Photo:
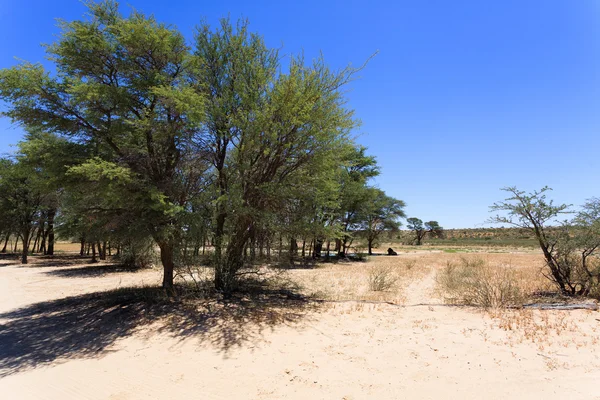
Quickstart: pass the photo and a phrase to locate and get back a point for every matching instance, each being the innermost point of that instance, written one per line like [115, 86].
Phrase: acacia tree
[587, 244]
[122, 85]
[22, 197]
[165, 124]
[416, 225]
[305, 202]
[50, 156]
[264, 126]
[421, 230]
[382, 214]
[434, 229]
[355, 194]
[570, 249]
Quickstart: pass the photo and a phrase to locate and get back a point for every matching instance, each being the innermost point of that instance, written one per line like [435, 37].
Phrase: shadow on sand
[7, 259]
[58, 260]
[86, 326]
[91, 271]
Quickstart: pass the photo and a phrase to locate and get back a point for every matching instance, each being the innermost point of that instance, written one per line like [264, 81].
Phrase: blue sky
[464, 97]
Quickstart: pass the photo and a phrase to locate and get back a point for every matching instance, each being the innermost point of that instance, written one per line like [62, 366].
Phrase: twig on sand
[562, 306]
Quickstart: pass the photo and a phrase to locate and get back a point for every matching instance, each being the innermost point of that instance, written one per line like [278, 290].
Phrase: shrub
[362, 256]
[382, 278]
[474, 282]
[571, 251]
[410, 264]
[138, 254]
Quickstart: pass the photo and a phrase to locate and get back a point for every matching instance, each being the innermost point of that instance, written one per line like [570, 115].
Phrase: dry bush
[477, 283]
[410, 264]
[382, 277]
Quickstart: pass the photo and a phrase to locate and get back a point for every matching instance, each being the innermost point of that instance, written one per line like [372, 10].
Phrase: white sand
[338, 351]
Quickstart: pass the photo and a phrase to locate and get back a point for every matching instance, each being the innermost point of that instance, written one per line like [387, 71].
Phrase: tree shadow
[62, 260]
[299, 263]
[91, 271]
[9, 259]
[87, 326]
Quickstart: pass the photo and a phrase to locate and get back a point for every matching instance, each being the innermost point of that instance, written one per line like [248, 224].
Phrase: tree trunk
[268, 247]
[103, 255]
[232, 261]
[342, 249]
[318, 248]
[280, 246]
[82, 248]
[94, 252]
[261, 245]
[338, 245]
[370, 242]
[50, 248]
[293, 249]
[5, 243]
[303, 248]
[218, 240]
[43, 242]
[167, 259]
[37, 238]
[252, 244]
[419, 237]
[25, 238]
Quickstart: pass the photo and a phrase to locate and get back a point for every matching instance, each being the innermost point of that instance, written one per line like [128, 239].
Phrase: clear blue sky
[463, 98]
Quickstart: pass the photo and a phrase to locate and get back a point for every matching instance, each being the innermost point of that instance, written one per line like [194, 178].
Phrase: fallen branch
[562, 306]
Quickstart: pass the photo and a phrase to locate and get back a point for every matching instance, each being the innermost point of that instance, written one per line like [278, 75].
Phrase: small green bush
[138, 254]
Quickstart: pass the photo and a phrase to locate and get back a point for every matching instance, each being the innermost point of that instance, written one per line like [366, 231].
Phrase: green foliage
[22, 199]
[124, 88]
[420, 230]
[355, 194]
[137, 253]
[571, 250]
[380, 213]
[140, 135]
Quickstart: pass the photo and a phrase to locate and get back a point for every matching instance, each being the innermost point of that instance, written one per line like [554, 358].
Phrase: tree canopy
[139, 135]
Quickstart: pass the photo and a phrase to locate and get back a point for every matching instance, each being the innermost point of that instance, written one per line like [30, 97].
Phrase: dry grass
[67, 247]
[410, 277]
[59, 247]
[558, 336]
[475, 282]
[380, 279]
[490, 282]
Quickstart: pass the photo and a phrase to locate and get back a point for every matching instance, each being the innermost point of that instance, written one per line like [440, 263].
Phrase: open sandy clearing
[84, 348]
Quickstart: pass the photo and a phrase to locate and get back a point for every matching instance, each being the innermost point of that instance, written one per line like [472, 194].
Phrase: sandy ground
[59, 341]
